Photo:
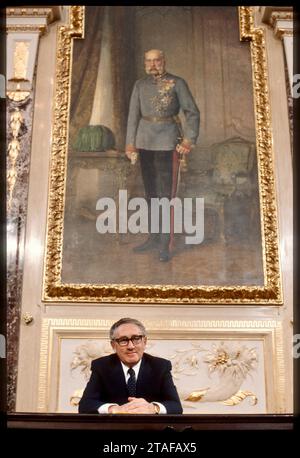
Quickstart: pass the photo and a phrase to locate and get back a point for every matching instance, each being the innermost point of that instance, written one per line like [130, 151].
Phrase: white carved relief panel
[219, 367]
[211, 376]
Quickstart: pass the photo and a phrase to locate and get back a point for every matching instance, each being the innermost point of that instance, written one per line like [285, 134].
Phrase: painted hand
[131, 152]
[183, 148]
[128, 154]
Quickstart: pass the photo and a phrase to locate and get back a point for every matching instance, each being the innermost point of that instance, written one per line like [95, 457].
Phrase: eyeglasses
[124, 341]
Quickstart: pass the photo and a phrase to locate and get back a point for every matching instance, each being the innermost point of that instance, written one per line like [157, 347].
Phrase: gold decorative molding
[55, 291]
[15, 123]
[232, 363]
[21, 55]
[278, 358]
[280, 16]
[246, 23]
[27, 318]
[240, 396]
[75, 397]
[234, 400]
[51, 13]
[41, 29]
[280, 19]
[264, 149]
[18, 95]
[267, 331]
[45, 358]
[24, 25]
[18, 83]
[31, 19]
[280, 33]
[77, 21]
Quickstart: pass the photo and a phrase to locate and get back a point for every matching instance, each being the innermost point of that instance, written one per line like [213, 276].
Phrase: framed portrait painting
[223, 248]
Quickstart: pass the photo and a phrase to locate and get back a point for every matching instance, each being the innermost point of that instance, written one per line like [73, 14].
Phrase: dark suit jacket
[107, 384]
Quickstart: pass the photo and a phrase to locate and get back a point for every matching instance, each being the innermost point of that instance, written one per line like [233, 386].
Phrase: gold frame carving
[268, 331]
[55, 291]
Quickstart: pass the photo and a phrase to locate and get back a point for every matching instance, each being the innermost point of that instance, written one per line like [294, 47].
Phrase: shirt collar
[136, 369]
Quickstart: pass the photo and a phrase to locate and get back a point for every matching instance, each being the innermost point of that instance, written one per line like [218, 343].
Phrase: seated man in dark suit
[130, 381]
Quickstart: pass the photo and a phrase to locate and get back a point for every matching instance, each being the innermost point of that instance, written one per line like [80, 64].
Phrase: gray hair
[161, 53]
[126, 321]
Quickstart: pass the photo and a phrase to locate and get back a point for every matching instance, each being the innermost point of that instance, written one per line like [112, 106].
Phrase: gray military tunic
[153, 106]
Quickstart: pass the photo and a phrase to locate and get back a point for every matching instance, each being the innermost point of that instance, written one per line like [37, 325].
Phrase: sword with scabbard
[182, 167]
[179, 165]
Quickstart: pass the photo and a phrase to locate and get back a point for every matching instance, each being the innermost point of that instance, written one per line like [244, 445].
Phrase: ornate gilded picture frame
[231, 166]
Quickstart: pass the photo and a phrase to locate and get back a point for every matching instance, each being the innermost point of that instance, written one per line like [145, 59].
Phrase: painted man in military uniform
[155, 133]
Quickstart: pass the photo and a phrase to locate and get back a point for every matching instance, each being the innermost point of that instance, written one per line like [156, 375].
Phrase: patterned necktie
[131, 384]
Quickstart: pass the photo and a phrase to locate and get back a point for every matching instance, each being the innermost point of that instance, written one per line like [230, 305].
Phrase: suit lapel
[144, 378]
[118, 383]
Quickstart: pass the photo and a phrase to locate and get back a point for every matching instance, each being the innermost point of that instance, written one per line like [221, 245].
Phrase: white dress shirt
[104, 408]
